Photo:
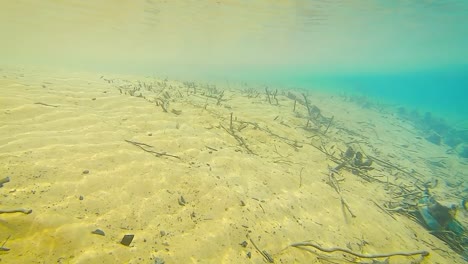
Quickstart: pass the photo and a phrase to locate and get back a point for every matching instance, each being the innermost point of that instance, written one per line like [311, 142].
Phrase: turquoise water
[441, 91]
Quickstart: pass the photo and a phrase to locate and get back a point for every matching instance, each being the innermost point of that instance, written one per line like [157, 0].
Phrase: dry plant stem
[263, 253]
[331, 120]
[407, 194]
[161, 103]
[300, 177]
[220, 98]
[3, 248]
[20, 210]
[157, 154]
[384, 210]
[239, 139]
[39, 103]
[389, 165]
[274, 96]
[268, 95]
[423, 253]
[334, 183]
[345, 204]
[307, 105]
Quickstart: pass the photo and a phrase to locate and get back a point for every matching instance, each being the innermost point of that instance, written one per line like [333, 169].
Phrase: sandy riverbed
[66, 144]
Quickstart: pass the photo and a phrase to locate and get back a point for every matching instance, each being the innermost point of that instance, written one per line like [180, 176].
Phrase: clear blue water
[443, 91]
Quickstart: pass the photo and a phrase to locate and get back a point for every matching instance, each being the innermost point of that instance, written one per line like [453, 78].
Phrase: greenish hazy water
[401, 52]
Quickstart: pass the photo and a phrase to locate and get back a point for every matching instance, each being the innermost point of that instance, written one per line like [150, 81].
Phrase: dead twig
[308, 107]
[268, 94]
[163, 104]
[20, 210]
[331, 120]
[239, 139]
[423, 253]
[39, 103]
[143, 146]
[3, 248]
[265, 254]
[334, 183]
[11, 211]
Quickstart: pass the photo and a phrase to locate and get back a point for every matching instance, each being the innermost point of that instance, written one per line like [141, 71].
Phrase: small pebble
[127, 240]
[94, 99]
[243, 244]
[81, 198]
[150, 134]
[162, 233]
[85, 171]
[181, 201]
[249, 255]
[98, 232]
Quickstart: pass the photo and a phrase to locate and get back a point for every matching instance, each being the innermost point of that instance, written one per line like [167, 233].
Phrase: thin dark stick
[268, 95]
[138, 143]
[220, 98]
[157, 154]
[239, 139]
[334, 183]
[3, 248]
[262, 208]
[300, 177]
[274, 96]
[307, 105]
[6, 240]
[230, 123]
[345, 204]
[385, 255]
[210, 148]
[331, 120]
[294, 109]
[263, 253]
[387, 164]
[384, 210]
[39, 103]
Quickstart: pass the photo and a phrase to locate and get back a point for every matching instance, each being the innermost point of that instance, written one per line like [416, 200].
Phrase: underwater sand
[65, 135]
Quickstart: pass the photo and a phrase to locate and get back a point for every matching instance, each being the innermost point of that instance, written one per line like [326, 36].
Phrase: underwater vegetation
[438, 131]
